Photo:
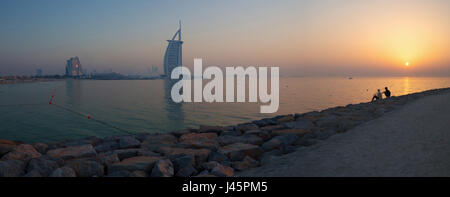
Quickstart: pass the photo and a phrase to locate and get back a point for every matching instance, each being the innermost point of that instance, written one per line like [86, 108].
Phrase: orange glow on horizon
[388, 43]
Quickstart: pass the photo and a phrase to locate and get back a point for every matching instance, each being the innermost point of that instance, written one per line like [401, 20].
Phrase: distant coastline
[26, 79]
[30, 79]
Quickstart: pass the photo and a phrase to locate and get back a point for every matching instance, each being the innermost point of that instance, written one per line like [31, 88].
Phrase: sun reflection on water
[406, 88]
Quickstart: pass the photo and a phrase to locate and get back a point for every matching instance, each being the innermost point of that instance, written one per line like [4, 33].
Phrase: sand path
[411, 141]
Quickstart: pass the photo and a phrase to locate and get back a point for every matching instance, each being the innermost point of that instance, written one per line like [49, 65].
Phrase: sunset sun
[406, 64]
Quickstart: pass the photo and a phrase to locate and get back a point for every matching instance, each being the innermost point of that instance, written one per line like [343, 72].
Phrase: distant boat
[350, 78]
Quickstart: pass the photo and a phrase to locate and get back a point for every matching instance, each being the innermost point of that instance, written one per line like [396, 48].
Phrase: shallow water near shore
[145, 106]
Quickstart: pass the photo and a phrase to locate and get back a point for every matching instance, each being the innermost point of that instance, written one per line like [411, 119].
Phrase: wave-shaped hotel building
[173, 55]
[73, 67]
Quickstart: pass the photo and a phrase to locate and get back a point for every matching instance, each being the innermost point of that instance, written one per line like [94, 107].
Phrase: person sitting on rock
[387, 92]
[377, 96]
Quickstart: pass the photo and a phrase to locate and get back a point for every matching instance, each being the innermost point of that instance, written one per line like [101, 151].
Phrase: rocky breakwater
[209, 151]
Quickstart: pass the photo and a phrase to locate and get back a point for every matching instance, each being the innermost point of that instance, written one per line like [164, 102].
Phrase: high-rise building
[73, 67]
[38, 72]
[173, 55]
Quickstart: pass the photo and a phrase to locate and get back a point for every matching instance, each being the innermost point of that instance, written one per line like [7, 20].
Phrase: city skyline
[303, 38]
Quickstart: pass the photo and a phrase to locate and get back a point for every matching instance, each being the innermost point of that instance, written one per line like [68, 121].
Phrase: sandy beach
[410, 141]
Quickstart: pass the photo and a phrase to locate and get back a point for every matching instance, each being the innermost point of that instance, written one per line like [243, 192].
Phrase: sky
[302, 37]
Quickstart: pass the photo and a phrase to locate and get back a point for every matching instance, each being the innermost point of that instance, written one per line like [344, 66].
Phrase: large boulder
[264, 135]
[69, 143]
[252, 132]
[184, 166]
[246, 127]
[107, 158]
[92, 140]
[238, 151]
[279, 141]
[6, 146]
[41, 147]
[272, 127]
[128, 142]
[265, 122]
[210, 129]
[121, 173]
[246, 139]
[287, 139]
[298, 132]
[284, 118]
[126, 153]
[63, 172]
[222, 171]
[43, 166]
[199, 140]
[300, 124]
[209, 165]
[73, 152]
[106, 146]
[253, 139]
[231, 132]
[271, 144]
[160, 139]
[219, 157]
[179, 133]
[138, 173]
[187, 171]
[144, 163]
[8, 142]
[23, 152]
[195, 136]
[200, 155]
[12, 168]
[163, 168]
[205, 173]
[230, 139]
[248, 162]
[146, 152]
[33, 173]
[183, 161]
[154, 142]
[86, 168]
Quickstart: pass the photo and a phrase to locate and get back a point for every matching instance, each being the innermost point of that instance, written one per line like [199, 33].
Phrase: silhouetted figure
[387, 92]
[377, 95]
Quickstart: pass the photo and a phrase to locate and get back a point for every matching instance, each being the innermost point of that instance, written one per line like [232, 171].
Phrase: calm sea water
[139, 106]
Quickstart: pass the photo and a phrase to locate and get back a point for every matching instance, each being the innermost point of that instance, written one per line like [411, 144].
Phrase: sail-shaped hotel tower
[173, 55]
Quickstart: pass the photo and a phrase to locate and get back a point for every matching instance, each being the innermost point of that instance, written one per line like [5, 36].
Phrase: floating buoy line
[53, 103]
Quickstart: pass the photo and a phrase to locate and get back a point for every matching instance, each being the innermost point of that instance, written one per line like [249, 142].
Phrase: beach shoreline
[206, 151]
